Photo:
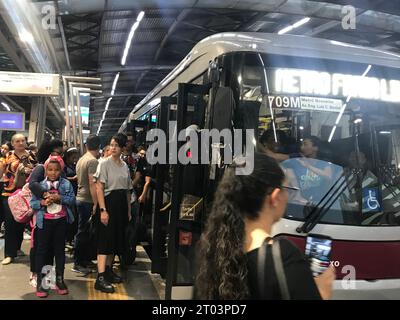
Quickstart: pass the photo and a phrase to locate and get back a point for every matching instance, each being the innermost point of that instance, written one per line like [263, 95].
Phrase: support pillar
[37, 121]
[80, 131]
[73, 114]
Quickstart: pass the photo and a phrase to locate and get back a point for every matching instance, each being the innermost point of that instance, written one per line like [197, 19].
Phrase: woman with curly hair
[244, 210]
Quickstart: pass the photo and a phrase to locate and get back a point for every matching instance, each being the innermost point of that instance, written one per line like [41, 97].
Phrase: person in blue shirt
[311, 175]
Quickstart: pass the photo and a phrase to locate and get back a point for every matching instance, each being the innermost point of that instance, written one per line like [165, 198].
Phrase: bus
[339, 100]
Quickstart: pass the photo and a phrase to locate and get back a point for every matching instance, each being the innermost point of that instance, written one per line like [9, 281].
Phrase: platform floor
[139, 283]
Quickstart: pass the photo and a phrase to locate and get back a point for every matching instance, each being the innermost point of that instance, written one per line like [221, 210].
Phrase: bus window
[347, 167]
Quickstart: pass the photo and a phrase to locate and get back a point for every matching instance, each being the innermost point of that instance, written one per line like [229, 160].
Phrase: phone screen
[318, 251]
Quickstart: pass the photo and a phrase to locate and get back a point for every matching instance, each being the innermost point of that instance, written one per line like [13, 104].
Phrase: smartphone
[318, 251]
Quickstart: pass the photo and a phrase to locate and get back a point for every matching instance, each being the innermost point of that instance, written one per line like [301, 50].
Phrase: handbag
[277, 264]
[88, 238]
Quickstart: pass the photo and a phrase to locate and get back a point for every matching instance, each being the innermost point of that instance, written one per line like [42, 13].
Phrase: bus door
[188, 190]
[162, 193]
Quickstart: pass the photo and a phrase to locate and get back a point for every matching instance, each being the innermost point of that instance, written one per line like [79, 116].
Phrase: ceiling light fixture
[130, 37]
[5, 105]
[294, 26]
[104, 113]
[114, 84]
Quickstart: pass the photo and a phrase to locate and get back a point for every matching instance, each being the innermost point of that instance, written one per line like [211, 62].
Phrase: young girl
[52, 215]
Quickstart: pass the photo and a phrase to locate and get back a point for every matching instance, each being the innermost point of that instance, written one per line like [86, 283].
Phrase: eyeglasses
[289, 188]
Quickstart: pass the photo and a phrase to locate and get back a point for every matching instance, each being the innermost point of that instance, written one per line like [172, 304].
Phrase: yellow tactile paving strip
[93, 294]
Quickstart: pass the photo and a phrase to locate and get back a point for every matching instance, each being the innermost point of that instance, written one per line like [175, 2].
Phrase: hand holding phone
[318, 251]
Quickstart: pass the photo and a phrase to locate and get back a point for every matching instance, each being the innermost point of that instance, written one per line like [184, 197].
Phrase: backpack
[19, 204]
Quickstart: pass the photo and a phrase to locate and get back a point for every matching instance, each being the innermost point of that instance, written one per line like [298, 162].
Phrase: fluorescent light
[106, 108]
[140, 16]
[301, 128]
[385, 132]
[367, 70]
[114, 83]
[98, 130]
[301, 22]
[359, 120]
[5, 105]
[130, 37]
[108, 103]
[294, 26]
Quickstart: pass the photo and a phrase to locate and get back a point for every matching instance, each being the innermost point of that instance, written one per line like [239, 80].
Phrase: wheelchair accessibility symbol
[371, 200]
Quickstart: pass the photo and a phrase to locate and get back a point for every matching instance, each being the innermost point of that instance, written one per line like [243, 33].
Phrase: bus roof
[290, 45]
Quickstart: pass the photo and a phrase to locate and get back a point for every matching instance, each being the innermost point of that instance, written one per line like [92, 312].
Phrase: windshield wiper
[319, 211]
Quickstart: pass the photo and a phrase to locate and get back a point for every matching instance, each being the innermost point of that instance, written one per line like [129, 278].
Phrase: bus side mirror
[224, 104]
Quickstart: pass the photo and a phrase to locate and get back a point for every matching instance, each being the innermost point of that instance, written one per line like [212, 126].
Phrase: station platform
[139, 283]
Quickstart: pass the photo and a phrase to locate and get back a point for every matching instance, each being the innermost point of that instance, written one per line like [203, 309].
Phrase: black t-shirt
[144, 168]
[299, 278]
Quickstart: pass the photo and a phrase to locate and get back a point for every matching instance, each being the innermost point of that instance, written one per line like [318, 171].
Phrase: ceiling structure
[90, 36]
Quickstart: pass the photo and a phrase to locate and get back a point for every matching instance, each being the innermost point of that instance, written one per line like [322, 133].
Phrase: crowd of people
[107, 188]
[64, 192]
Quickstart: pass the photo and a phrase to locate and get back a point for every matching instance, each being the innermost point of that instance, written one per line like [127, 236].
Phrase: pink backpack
[19, 204]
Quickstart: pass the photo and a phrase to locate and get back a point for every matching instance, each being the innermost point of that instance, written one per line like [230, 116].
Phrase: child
[52, 215]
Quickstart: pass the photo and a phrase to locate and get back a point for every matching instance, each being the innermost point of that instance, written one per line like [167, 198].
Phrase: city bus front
[335, 128]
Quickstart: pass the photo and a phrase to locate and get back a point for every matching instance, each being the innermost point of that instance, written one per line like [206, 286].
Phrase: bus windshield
[338, 140]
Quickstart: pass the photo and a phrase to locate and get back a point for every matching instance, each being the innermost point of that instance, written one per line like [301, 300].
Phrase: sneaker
[40, 291]
[7, 260]
[20, 253]
[33, 280]
[80, 269]
[61, 286]
[91, 266]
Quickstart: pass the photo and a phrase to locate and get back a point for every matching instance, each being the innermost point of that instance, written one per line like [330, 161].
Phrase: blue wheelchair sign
[371, 200]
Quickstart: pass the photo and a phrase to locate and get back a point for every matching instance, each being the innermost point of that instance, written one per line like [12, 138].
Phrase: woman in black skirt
[113, 194]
